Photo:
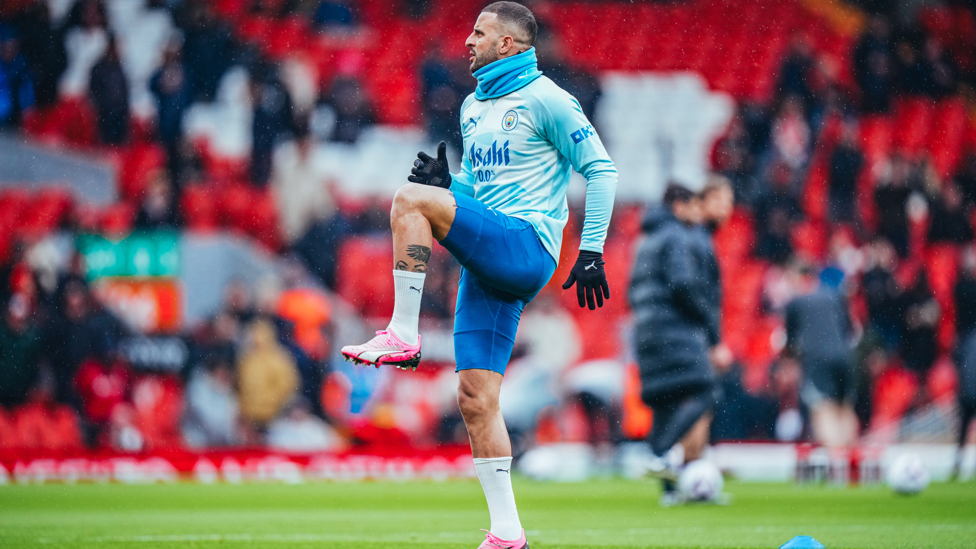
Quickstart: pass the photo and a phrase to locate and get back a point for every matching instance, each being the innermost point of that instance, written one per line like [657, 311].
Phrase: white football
[700, 480]
[907, 474]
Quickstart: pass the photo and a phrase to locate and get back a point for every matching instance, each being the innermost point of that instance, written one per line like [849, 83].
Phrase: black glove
[431, 171]
[590, 279]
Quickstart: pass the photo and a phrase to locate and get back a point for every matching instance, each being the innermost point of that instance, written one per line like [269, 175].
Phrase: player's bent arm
[563, 123]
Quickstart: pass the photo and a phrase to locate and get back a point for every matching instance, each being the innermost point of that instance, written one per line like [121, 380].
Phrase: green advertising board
[141, 254]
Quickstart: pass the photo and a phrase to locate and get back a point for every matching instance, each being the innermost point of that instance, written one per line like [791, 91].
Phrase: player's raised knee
[412, 196]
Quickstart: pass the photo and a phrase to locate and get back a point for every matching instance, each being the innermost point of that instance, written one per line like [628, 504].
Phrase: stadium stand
[736, 63]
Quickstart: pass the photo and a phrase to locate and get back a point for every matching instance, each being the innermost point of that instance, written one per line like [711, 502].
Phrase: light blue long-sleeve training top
[519, 150]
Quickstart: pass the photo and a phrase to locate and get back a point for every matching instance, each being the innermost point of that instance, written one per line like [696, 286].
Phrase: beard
[480, 61]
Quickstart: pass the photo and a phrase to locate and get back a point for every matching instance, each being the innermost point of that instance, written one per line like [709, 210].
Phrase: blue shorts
[504, 267]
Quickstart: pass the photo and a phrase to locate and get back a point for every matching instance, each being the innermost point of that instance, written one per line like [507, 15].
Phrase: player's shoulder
[547, 93]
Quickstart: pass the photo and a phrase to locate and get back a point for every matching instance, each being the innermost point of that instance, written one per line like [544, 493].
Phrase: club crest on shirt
[509, 121]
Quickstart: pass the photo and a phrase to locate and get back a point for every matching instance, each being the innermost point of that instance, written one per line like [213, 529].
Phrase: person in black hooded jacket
[676, 322]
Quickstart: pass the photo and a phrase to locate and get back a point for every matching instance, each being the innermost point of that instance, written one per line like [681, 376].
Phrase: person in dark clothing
[43, 45]
[949, 222]
[966, 180]
[891, 201]
[171, 89]
[874, 65]
[272, 118]
[207, 50]
[445, 85]
[818, 329]
[16, 86]
[109, 92]
[965, 356]
[920, 322]
[716, 202]
[776, 212]
[20, 349]
[846, 163]
[795, 73]
[157, 211]
[882, 294]
[352, 110]
[676, 323]
[78, 329]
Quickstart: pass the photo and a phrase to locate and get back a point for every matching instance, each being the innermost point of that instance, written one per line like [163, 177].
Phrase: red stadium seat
[199, 209]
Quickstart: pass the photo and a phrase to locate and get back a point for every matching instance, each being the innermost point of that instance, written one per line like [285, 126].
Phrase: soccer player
[502, 217]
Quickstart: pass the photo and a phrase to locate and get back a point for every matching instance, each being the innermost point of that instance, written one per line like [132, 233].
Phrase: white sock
[496, 480]
[409, 288]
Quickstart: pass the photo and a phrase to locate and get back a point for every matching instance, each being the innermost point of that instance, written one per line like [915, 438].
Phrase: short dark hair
[515, 14]
[676, 193]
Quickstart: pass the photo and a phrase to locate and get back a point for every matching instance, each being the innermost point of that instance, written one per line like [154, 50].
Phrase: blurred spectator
[446, 82]
[965, 296]
[966, 180]
[920, 321]
[297, 430]
[965, 356]
[882, 294]
[818, 330]
[891, 201]
[301, 192]
[940, 72]
[43, 44]
[171, 89]
[158, 209]
[266, 375]
[874, 65]
[211, 416]
[949, 221]
[73, 334]
[109, 92]
[16, 86]
[207, 49]
[580, 83]
[86, 40]
[353, 113]
[272, 117]
[776, 212]
[334, 15]
[846, 163]
[734, 161]
[20, 349]
[795, 72]
[791, 134]
[102, 383]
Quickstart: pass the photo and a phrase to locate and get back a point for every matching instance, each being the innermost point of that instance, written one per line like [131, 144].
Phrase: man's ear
[506, 46]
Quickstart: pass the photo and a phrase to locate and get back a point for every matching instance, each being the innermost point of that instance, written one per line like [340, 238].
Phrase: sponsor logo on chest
[496, 155]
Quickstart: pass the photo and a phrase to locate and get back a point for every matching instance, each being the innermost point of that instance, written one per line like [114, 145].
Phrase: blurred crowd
[830, 209]
[810, 197]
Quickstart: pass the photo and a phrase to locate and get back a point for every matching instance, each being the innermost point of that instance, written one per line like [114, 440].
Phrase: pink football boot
[385, 348]
[492, 542]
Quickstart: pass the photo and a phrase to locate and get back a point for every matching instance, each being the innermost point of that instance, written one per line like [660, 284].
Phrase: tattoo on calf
[420, 254]
[402, 266]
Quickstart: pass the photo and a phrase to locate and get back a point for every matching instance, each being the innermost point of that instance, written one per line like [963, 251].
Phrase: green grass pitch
[382, 515]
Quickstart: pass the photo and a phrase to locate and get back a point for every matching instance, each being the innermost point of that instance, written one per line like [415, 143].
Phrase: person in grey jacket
[818, 334]
[676, 322]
